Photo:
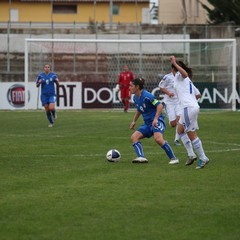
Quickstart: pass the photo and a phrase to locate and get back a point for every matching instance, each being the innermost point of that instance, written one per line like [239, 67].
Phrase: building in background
[107, 11]
[182, 12]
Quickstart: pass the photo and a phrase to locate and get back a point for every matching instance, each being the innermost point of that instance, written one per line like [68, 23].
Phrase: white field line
[157, 152]
[226, 143]
[125, 154]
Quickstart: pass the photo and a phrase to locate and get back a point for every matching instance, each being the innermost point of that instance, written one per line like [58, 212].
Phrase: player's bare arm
[57, 82]
[179, 68]
[135, 118]
[165, 91]
[158, 112]
[39, 82]
[198, 96]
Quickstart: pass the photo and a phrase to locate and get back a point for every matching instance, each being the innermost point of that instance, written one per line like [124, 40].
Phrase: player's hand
[39, 82]
[171, 95]
[172, 59]
[132, 125]
[155, 122]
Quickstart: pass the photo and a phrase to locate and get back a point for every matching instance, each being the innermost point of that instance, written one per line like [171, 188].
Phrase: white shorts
[172, 111]
[188, 119]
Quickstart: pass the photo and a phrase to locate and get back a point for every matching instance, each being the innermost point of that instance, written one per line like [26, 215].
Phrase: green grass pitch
[55, 183]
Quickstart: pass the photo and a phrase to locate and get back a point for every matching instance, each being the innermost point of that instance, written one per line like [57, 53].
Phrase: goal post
[96, 61]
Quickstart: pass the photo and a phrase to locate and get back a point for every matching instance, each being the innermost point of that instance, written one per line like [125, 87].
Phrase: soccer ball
[113, 155]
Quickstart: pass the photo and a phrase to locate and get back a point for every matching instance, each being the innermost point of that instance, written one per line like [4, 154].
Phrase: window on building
[115, 9]
[64, 9]
[14, 15]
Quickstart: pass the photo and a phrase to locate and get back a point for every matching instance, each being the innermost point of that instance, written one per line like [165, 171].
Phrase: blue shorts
[48, 99]
[148, 131]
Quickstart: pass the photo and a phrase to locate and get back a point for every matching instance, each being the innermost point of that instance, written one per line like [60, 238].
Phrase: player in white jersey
[172, 105]
[173, 111]
[188, 123]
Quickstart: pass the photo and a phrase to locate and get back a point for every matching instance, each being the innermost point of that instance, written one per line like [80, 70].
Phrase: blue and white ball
[113, 155]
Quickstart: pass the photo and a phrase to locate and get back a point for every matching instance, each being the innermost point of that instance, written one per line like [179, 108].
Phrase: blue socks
[166, 147]
[138, 149]
[49, 117]
[53, 113]
[168, 150]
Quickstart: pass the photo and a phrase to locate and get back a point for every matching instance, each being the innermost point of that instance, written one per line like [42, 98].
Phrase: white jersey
[186, 91]
[168, 83]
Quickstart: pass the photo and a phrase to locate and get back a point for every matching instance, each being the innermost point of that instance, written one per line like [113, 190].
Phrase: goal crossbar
[232, 41]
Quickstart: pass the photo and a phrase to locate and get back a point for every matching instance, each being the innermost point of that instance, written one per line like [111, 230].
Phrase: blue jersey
[47, 86]
[147, 105]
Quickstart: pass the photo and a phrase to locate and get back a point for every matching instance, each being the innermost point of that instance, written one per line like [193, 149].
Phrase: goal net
[88, 69]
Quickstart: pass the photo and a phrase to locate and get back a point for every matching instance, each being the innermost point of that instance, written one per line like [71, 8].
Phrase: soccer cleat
[174, 161]
[191, 160]
[207, 160]
[140, 160]
[177, 143]
[201, 163]
[51, 125]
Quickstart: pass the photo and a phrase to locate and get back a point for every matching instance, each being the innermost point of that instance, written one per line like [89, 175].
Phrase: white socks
[187, 144]
[197, 144]
[177, 136]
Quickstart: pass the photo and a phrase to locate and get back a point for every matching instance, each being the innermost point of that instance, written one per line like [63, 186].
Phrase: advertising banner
[77, 95]
[12, 96]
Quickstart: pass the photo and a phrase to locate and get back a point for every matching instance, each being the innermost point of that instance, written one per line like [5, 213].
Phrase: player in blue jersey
[151, 110]
[47, 80]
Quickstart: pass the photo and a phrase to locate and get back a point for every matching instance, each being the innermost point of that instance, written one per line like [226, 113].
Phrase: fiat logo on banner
[16, 95]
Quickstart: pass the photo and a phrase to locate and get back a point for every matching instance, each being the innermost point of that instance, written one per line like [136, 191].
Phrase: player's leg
[52, 107]
[127, 98]
[122, 95]
[185, 140]
[158, 137]
[197, 144]
[126, 103]
[173, 124]
[45, 103]
[177, 111]
[177, 138]
[172, 117]
[53, 110]
[49, 115]
[191, 128]
[137, 145]
[188, 146]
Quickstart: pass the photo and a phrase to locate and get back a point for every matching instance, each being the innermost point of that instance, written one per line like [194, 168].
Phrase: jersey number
[190, 87]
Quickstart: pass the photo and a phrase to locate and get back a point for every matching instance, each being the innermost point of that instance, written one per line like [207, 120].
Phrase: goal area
[88, 69]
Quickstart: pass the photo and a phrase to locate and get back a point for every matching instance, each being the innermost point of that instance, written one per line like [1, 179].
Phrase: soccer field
[55, 183]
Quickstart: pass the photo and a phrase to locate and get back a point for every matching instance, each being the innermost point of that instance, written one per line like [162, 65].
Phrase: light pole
[9, 10]
[110, 13]
[94, 12]
[136, 11]
[8, 37]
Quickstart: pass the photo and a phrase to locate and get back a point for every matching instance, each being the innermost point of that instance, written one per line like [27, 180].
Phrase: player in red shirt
[124, 82]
